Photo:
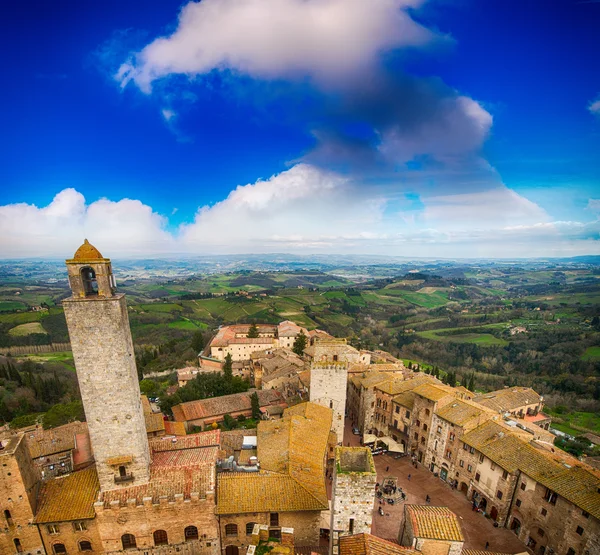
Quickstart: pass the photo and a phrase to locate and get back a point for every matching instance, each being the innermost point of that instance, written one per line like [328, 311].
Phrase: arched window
[18, 545]
[85, 545]
[88, 277]
[249, 528]
[59, 548]
[128, 541]
[8, 517]
[190, 533]
[231, 530]
[160, 537]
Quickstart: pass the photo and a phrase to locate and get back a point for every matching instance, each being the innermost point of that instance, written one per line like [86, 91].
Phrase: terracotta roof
[291, 452]
[185, 457]
[437, 523]
[42, 443]
[263, 492]
[203, 439]
[146, 404]
[69, 497]
[87, 251]
[400, 385]
[227, 334]
[226, 404]
[167, 482]
[373, 378]
[289, 329]
[434, 392]
[406, 399]
[232, 440]
[464, 413]
[483, 552]
[183, 466]
[154, 422]
[509, 399]
[567, 476]
[175, 428]
[366, 544]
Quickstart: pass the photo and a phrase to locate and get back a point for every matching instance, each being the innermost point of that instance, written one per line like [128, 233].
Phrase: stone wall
[328, 388]
[353, 493]
[553, 525]
[107, 374]
[68, 534]
[19, 482]
[171, 516]
[306, 525]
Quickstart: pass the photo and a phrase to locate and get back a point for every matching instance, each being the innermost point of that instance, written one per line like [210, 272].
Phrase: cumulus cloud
[301, 206]
[594, 107]
[305, 209]
[322, 39]
[123, 227]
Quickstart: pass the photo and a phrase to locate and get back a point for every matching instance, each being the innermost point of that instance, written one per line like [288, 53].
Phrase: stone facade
[544, 521]
[143, 519]
[105, 362]
[77, 536]
[328, 389]
[19, 483]
[236, 530]
[353, 493]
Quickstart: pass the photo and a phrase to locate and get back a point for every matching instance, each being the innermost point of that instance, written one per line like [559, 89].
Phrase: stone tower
[328, 381]
[104, 358]
[353, 494]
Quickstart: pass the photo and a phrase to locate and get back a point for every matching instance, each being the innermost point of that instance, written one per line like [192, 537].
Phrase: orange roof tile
[436, 523]
[366, 544]
[69, 497]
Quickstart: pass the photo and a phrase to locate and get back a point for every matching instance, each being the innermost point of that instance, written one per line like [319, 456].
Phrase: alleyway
[476, 528]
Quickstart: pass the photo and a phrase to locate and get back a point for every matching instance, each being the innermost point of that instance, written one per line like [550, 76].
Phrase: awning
[392, 445]
[369, 438]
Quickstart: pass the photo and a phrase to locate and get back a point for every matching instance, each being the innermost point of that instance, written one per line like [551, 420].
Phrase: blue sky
[403, 127]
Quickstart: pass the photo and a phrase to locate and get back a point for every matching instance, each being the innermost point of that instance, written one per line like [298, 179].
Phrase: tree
[228, 367]
[198, 342]
[149, 388]
[63, 414]
[299, 344]
[255, 406]
[253, 331]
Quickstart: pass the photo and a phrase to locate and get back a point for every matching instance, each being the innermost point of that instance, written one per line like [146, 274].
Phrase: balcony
[124, 478]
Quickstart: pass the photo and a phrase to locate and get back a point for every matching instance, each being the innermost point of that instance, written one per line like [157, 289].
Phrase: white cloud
[302, 210]
[495, 208]
[168, 114]
[594, 107]
[301, 205]
[123, 227]
[322, 39]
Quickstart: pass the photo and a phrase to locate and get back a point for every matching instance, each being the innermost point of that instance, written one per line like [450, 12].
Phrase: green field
[467, 335]
[591, 353]
[12, 305]
[27, 329]
[426, 300]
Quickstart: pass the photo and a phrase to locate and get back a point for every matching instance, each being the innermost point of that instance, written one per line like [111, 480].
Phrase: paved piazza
[476, 528]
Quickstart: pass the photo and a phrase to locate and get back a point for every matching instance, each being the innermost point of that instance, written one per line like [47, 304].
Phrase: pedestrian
[409, 477]
[487, 544]
[387, 468]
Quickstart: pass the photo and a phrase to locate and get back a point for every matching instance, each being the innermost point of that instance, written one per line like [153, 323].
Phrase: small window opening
[18, 545]
[351, 526]
[122, 472]
[90, 285]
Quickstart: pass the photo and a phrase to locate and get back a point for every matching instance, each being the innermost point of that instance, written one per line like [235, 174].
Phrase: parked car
[378, 451]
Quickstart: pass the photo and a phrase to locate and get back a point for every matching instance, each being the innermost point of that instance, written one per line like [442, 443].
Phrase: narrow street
[477, 529]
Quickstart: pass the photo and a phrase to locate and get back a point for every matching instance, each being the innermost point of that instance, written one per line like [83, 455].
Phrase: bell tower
[98, 326]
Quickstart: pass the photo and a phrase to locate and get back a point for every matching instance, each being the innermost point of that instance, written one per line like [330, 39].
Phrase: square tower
[98, 326]
[328, 381]
[353, 494]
